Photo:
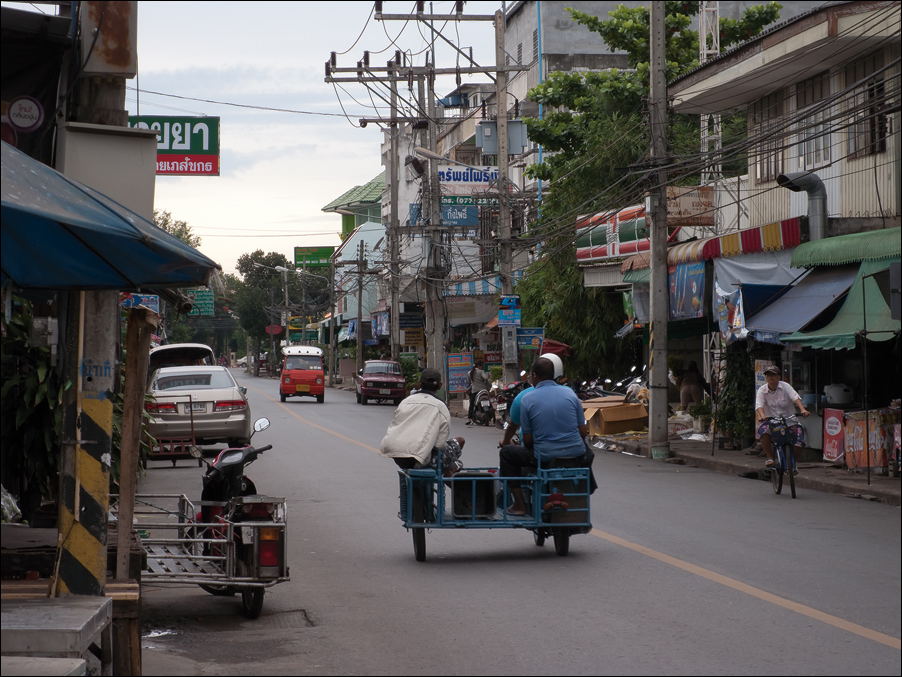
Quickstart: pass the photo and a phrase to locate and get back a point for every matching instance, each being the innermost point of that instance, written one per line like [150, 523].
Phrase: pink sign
[834, 435]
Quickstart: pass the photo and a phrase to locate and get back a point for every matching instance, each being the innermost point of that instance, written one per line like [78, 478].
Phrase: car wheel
[320, 399]
[358, 398]
[364, 399]
[283, 396]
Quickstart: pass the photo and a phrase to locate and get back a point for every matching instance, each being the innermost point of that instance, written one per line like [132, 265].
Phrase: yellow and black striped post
[85, 486]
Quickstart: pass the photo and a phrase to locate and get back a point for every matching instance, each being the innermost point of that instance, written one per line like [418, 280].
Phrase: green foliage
[31, 421]
[736, 404]
[702, 409]
[179, 229]
[411, 371]
[496, 373]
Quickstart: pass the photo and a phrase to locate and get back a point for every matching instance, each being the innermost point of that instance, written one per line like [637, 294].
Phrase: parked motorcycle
[483, 408]
[252, 536]
[506, 399]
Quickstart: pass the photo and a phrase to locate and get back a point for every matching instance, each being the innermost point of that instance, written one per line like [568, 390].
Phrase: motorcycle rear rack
[180, 558]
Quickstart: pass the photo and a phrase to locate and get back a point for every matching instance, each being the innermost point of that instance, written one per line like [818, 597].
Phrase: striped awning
[772, 237]
[873, 245]
[488, 286]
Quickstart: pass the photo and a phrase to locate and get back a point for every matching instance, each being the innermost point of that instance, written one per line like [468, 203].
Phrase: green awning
[873, 245]
[640, 276]
[841, 332]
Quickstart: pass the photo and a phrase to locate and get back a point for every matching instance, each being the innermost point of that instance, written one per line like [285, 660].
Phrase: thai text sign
[690, 206]
[530, 338]
[459, 366]
[834, 435]
[313, 257]
[863, 445]
[509, 311]
[186, 146]
[458, 180]
[151, 301]
[202, 300]
[452, 215]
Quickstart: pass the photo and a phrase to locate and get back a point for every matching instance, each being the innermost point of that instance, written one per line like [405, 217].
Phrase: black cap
[772, 369]
[431, 379]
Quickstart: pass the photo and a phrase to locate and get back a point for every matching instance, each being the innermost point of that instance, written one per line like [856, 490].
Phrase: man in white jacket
[421, 424]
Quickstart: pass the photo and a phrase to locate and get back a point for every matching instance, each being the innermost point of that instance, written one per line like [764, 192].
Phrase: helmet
[558, 365]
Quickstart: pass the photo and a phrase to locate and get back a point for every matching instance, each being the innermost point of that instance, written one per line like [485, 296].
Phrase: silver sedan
[203, 403]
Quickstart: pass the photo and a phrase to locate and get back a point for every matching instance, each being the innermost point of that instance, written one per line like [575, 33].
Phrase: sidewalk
[817, 476]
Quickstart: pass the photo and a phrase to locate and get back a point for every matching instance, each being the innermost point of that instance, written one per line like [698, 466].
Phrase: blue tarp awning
[802, 303]
[58, 233]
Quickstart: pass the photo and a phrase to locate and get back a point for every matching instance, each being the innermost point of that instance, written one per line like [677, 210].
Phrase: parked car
[203, 402]
[381, 380]
[179, 355]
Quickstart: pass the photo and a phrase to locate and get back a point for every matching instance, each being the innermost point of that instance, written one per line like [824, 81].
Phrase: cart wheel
[539, 537]
[561, 540]
[251, 598]
[419, 534]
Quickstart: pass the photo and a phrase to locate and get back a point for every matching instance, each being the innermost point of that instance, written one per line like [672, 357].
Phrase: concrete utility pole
[656, 212]
[360, 265]
[393, 234]
[506, 263]
[333, 327]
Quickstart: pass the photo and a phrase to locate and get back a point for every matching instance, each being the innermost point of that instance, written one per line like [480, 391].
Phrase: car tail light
[270, 547]
[230, 405]
[159, 407]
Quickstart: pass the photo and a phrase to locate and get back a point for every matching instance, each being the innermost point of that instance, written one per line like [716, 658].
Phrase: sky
[278, 169]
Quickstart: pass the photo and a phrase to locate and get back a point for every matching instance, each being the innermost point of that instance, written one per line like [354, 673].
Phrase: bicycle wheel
[776, 472]
[791, 467]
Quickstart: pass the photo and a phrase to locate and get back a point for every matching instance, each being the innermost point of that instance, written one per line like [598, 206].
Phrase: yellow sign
[413, 337]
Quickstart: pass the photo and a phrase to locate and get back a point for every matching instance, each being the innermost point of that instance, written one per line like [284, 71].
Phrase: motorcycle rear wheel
[251, 598]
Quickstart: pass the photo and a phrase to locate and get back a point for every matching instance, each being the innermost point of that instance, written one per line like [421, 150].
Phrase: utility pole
[360, 264]
[333, 327]
[506, 263]
[394, 255]
[656, 210]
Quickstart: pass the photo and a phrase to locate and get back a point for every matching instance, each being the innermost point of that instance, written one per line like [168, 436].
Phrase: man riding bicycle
[777, 398]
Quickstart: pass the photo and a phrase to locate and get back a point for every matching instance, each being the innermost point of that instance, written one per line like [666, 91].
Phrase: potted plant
[736, 402]
[701, 415]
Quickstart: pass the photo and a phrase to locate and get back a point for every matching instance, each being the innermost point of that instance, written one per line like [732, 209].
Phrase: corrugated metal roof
[368, 193]
[873, 245]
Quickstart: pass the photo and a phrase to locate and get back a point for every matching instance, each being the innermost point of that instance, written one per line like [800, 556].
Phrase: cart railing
[181, 549]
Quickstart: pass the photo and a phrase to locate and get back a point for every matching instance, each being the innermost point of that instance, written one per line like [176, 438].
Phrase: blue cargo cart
[557, 497]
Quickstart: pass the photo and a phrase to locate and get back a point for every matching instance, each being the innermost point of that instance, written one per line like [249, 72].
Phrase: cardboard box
[679, 423]
[616, 419]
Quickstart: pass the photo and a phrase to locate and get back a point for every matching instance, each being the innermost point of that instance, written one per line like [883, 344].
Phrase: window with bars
[488, 225]
[520, 54]
[767, 118]
[866, 106]
[535, 44]
[814, 127]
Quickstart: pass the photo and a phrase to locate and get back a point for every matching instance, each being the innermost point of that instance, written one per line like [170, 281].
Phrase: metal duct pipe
[817, 199]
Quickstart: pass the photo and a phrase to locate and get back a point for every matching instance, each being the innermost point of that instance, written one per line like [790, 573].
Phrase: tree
[595, 140]
[180, 229]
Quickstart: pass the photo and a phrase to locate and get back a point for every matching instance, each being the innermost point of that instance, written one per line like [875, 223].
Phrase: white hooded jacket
[421, 422]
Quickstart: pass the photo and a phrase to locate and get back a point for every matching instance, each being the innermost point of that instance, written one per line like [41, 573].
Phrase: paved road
[686, 572]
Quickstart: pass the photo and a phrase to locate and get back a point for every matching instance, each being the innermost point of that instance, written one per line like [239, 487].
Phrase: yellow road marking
[836, 622]
[763, 595]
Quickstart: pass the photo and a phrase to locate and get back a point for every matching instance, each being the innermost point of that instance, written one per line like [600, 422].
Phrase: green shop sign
[313, 257]
[186, 146]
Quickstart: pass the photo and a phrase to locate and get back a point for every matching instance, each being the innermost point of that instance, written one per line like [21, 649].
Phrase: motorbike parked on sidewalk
[234, 543]
[506, 399]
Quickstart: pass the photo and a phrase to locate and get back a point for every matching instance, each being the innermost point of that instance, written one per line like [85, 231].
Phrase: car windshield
[382, 368]
[312, 362]
[216, 379]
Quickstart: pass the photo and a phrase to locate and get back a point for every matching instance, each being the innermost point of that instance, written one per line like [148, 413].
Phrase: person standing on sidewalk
[777, 398]
[478, 380]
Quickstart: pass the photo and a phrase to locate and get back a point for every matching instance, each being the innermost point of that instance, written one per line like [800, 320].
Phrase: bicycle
[783, 438]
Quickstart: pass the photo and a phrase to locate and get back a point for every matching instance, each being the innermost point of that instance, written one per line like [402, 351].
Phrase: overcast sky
[278, 169]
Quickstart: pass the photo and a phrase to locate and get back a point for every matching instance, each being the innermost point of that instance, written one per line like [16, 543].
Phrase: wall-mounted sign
[25, 114]
[185, 146]
[459, 365]
[151, 301]
[313, 257]
[458, 180]
[509, 311]
[452, 215]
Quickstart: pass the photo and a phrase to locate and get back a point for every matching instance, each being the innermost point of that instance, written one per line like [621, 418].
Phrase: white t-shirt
[421, 422]
[780, 402]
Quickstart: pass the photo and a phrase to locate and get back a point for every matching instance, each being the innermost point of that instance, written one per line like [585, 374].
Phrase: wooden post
[141, 323]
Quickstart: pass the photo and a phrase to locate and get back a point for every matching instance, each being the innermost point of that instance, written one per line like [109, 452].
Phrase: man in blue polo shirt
[552, 425]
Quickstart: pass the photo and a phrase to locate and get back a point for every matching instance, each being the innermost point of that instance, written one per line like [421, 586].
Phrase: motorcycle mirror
[633, 368]
[619, 383]
[261, 424]
[194, 451]
[607, 380]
